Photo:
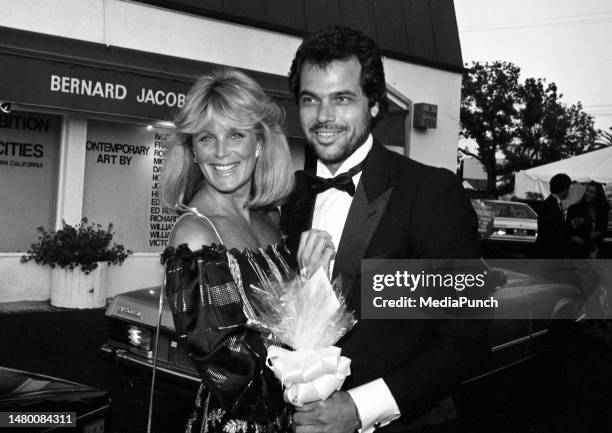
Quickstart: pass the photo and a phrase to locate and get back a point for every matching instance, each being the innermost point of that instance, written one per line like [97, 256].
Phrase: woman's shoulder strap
[194, 211]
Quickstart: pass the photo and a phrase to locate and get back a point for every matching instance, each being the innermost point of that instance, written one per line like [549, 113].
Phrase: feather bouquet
[309, 315]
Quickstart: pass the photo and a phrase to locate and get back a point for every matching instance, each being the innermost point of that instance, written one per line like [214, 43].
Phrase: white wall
[71, 171]
[473, 169]
[139, 271]
[23, 282]
[32, 282]
[146, 28]
[422, 84]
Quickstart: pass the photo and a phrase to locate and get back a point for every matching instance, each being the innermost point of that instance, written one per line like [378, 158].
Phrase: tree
[528, 123]
[548, 129]
[488, 112]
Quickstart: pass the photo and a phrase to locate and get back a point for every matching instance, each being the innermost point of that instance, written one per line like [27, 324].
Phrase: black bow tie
[342, 182]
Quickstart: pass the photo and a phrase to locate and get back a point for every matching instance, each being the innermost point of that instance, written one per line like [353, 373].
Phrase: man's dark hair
[340, 43]
[559, 183]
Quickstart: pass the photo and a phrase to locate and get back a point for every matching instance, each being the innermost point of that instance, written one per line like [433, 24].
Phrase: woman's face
[226, 155]
[590, 193]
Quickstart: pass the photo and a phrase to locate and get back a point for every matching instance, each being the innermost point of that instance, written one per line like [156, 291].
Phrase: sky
[568, 42]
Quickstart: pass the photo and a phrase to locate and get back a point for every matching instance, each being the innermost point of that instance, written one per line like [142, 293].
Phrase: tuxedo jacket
[401, 209]
[551, 242]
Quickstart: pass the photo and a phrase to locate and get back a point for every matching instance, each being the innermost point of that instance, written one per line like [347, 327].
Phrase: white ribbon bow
[308, 375]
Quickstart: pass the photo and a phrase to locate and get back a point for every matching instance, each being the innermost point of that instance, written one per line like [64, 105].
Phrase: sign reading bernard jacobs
[80, 86]
[57, 84]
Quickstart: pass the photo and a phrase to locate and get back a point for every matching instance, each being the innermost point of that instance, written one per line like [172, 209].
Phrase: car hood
[21, 390]
[516, 223]
[141, 306]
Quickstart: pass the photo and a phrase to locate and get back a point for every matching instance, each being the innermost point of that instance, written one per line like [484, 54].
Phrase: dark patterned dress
[208, 292]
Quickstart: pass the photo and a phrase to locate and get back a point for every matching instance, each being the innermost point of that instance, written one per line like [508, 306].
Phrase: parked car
[22, 391]
[131, 318]
[514, 221]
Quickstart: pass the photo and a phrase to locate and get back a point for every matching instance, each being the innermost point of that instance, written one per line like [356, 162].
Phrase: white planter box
[74, 289]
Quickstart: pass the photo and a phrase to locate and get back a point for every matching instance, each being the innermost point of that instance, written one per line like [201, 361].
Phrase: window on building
[29, 162]
[123, 165]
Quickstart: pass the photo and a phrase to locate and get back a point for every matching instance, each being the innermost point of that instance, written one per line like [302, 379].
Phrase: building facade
[92, 85]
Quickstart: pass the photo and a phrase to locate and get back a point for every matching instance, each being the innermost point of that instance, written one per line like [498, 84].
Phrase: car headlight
[139, 337]
[500, 232]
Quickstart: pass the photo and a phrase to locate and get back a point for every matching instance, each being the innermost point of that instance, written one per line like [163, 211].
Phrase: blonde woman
[227, 172]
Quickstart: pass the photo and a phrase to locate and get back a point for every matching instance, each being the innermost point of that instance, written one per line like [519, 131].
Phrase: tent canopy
[596, 165]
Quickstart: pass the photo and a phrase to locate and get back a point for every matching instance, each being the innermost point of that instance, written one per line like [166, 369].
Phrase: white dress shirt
[375, 404]
[560, 203]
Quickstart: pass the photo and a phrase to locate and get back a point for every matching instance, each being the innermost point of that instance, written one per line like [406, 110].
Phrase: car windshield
[511, 210]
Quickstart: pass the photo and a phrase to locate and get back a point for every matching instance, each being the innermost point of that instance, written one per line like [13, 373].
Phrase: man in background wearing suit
[551, 242]
[376, 203]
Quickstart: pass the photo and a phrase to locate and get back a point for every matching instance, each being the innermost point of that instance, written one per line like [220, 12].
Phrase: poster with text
[122, 174]
[29, 161]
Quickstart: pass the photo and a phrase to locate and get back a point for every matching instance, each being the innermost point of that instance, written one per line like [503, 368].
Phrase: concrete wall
[146, 28]
[23, 282]
[438, 146]
[31, 282]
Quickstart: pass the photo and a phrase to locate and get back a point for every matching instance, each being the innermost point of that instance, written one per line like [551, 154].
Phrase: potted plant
[79, 256]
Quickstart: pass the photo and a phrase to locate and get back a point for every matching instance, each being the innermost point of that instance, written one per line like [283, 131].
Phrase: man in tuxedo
[551, 242]
[377, 204]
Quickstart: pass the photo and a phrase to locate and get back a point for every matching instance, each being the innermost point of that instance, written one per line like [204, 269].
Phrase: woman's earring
[195, 160]
[374, 110]
[258, 151]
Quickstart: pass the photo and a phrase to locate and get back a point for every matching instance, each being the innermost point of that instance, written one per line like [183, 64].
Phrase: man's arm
[375, 405]
[365, 407]
[444, 225]
[434, 374]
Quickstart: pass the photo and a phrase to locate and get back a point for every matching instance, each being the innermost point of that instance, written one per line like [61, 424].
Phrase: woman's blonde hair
[230, 95]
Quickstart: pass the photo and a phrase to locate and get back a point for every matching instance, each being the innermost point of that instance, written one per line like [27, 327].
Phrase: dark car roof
[37, 392]
[508, 209]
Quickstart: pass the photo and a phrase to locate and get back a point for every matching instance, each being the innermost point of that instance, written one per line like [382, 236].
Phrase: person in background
[587, 223]
[551, 242]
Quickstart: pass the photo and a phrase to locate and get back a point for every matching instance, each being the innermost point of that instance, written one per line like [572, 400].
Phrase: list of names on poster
[160, 218]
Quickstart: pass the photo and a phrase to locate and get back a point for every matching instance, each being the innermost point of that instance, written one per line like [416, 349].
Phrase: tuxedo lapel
[365, 213]
[297, 213]
[554, 206]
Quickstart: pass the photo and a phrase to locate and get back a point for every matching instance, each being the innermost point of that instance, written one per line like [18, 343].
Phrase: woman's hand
[316, 251]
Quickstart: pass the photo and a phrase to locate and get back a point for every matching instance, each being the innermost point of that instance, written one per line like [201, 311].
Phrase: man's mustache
[331, 127]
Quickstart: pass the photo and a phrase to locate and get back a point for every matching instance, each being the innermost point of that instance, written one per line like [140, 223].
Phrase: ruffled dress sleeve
[207, 307]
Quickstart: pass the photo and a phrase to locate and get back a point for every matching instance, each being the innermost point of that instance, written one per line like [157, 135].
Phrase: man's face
[334, 111]
[590, 194]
